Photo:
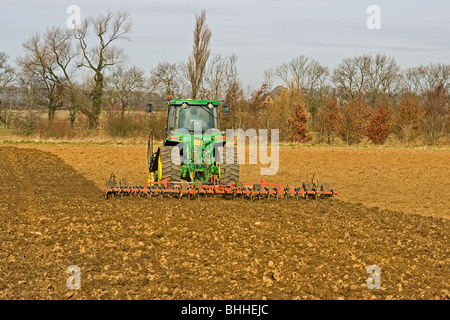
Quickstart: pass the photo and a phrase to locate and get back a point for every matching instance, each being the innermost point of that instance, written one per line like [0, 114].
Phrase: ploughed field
[392, 211]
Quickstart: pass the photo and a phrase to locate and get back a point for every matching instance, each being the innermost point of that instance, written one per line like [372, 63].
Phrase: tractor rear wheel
[229, 172]
[166, 167]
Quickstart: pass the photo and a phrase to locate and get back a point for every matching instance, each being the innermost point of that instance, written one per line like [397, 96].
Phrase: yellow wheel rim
[159, 167]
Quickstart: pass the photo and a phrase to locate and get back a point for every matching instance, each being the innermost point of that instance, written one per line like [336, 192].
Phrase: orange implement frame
[259, 190]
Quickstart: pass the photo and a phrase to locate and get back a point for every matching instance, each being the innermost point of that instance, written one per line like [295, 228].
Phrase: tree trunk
[51, 109]
[123, 106]
[97, 93]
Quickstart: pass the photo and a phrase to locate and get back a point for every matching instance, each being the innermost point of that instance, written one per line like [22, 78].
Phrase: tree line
[85, 71]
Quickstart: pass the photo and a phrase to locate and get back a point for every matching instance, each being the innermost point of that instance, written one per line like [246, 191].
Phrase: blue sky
[262, 33]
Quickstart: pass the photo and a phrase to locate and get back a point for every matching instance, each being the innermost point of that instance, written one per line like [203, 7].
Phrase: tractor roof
[194, 102]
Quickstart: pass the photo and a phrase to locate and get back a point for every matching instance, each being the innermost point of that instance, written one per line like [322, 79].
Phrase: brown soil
[53, 215]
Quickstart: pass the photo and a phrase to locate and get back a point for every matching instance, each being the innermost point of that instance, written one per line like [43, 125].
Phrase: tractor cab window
[194, 116]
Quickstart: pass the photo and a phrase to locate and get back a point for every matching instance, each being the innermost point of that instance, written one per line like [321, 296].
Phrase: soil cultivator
[212, 189]
[193, 137]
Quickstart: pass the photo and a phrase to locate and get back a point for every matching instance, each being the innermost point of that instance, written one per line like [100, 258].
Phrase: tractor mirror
[225, 109]
[149, 107]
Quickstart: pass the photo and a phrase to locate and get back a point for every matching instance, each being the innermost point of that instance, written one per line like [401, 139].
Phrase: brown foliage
[276, 108]
[299, 124]
[407, 119]
[328, 119]
[354, 119]
[436, 114]
[238, 116]
[379, 127]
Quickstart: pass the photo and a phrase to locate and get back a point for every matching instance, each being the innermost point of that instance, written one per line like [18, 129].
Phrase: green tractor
[194, 146]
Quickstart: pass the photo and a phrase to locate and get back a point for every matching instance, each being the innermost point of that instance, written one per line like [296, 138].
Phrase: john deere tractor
[193, 149]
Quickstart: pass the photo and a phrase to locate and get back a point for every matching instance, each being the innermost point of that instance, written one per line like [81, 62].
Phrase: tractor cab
[193, 115]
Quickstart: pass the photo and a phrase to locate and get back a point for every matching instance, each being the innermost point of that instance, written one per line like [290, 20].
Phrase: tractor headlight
[210, 105]
[184, 105]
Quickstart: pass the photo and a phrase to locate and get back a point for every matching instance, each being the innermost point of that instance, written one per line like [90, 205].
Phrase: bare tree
[384, 78]
[232, 71]
[37, 66]
[216, 75]
[30, 85]
[64, 54]
[283, 72]
[350, 77]
[424, 78]
[435, 121]
[301, 73]
[122, 83]
[368, 75]
[313, 88]
[298, 69]
[304, 76]
[220, 73]
[166, 78]
[269, 78]
[316, 76]
[50, 58]
[29, 88]
[107, 29]
[6, 74]
[198, 59]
